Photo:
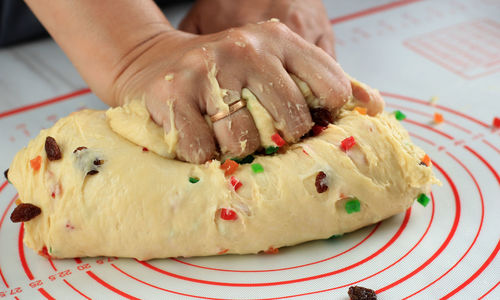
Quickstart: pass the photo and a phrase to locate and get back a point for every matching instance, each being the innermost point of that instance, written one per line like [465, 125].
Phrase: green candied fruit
[423, 199]
[272, 150]
[194, 179]
[352, 206]
[257, 168]
[245, 160]
[399, 115]
[335, 236]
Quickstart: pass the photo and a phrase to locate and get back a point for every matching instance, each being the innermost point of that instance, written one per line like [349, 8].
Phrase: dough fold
[142, 204]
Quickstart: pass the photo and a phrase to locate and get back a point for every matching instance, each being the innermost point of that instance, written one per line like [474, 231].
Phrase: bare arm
[124, 50]
[101, 37]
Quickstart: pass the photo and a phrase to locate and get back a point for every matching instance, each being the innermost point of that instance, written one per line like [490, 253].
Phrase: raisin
[79, 149]
[98, 162]
[52, 149]
[317, 129]
[321, 185]
[6, 174]
[361, 293]
[25, 212]
[92, 172]
[321, 116]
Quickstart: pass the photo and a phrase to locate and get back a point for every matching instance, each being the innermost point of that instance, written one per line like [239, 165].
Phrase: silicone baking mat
[415, 52]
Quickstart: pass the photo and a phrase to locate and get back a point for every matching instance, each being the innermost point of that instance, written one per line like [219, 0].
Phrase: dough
[141, 204]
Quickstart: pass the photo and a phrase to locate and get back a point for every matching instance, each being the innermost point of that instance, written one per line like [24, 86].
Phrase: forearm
[99, 37]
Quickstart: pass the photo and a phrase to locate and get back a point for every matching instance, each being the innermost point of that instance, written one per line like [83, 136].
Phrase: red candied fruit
[228, 214]
[496, 122]
[235, 183]
[278, 140]
[44, 252]
[347, 143]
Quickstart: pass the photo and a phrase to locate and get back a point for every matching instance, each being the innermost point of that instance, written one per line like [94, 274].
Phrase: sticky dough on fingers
[133, 122]
[145, 205]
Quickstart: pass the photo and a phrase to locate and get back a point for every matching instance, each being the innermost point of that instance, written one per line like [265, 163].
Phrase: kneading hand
[128, 50]
[181, 76]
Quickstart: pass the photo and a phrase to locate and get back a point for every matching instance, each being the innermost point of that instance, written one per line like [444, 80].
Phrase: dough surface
[141, 204]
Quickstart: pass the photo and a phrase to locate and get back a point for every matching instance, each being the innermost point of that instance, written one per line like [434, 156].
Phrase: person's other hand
[179, 75]
[306, 18]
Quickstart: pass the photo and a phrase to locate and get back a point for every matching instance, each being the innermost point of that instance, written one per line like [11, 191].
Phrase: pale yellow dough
[141, 204]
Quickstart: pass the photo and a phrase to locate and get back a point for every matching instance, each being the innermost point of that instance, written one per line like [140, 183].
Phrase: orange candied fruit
[426, 160]
[222, 251]
[229, 167]
[438, 118]
[361, 110]
[272, 250]
[36, 163]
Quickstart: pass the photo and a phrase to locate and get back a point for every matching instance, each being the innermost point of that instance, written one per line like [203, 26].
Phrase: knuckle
[239, 35]
[277, 27]
[241, 42]
[193, 60]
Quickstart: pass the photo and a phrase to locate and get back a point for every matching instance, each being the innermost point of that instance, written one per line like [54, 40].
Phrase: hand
[306, 18]
[180, 76]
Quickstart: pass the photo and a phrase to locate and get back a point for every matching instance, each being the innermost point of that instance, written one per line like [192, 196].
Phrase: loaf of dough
[117, 197]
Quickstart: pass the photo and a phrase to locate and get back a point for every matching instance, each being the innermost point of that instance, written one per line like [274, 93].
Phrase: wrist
[96, 35]
[138, 60]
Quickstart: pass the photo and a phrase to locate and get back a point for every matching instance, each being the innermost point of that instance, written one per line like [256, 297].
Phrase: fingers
[281, 97]
[327, 43]
[367, 97]
[320, 71]
[236, 134]
[183, 124]
[196, 143]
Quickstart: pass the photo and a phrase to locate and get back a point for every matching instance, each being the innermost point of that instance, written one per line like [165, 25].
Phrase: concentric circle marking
[475, 237]
[288, 268]
[209, 282]
[426, 103]
[434, 142]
